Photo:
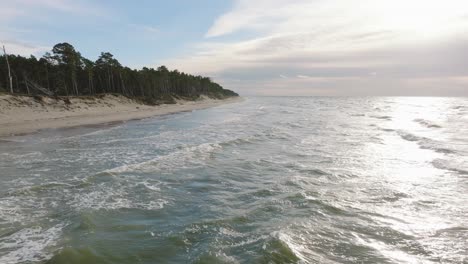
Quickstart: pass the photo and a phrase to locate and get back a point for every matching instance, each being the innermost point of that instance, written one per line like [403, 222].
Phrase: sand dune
[21, 114]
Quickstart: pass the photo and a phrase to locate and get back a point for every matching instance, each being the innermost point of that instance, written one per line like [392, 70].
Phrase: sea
[265, 180]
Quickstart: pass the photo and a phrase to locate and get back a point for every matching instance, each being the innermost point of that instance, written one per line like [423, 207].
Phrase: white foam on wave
[287, 240]
[20, 209]
[184, 158]
[161, 138]
[10, 212]
[100, 131]
[30, 244]
[391, 252]
[109, 198]
[150, 186]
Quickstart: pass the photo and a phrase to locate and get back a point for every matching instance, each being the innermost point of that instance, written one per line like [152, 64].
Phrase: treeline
[64, 72]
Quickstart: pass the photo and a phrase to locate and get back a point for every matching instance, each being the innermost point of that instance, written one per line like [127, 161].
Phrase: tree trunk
[26, 83]
[9, 71]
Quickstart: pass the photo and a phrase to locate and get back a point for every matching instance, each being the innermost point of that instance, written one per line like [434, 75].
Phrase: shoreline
[26, 115]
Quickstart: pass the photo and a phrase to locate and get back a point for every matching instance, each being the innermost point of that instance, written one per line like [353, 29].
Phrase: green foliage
[65, 72]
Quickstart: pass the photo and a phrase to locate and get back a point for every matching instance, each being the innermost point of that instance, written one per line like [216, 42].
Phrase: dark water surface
[267, 180]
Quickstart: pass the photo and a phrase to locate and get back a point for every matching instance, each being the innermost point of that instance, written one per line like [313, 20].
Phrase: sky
[263, 47]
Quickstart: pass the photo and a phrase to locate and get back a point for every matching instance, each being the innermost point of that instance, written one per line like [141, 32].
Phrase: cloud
[145, 28]
[257, 15]
[337, 44]
[346, 16]
[24, 49]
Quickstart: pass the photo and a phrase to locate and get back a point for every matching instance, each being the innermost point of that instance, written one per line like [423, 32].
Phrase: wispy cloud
[344, 17]
[25, 49]
[338, 40]
[145, 28]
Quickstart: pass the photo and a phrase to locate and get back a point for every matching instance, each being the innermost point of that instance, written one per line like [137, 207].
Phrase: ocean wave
[30, 244]
[9, 140]
[384, 117]
[459, 107]
[160, 137]
[114, 200]
[314, 172]
[427, 143]
[281, 248]
[387, 129]
[451, 165]
[393, 253]
[427, 123]
[20, 210]
[285, 111]
[410, 137]
[184, 158]
[103, 129]
[114, 193]
[302, 199]
[45, 187]
[276, 247]
[238, 141]
[216, 257]
[289, 245]
[10, 212]
[150, 186]
[451, 230]
[21, 157]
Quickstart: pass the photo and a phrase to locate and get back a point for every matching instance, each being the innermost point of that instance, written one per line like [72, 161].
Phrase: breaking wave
[185, 158]
[451, 165]
[289, 180]
[427, 123]
[426, 143]
[30, 244]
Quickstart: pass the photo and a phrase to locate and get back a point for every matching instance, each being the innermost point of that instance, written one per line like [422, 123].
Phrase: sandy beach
[22, 115]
